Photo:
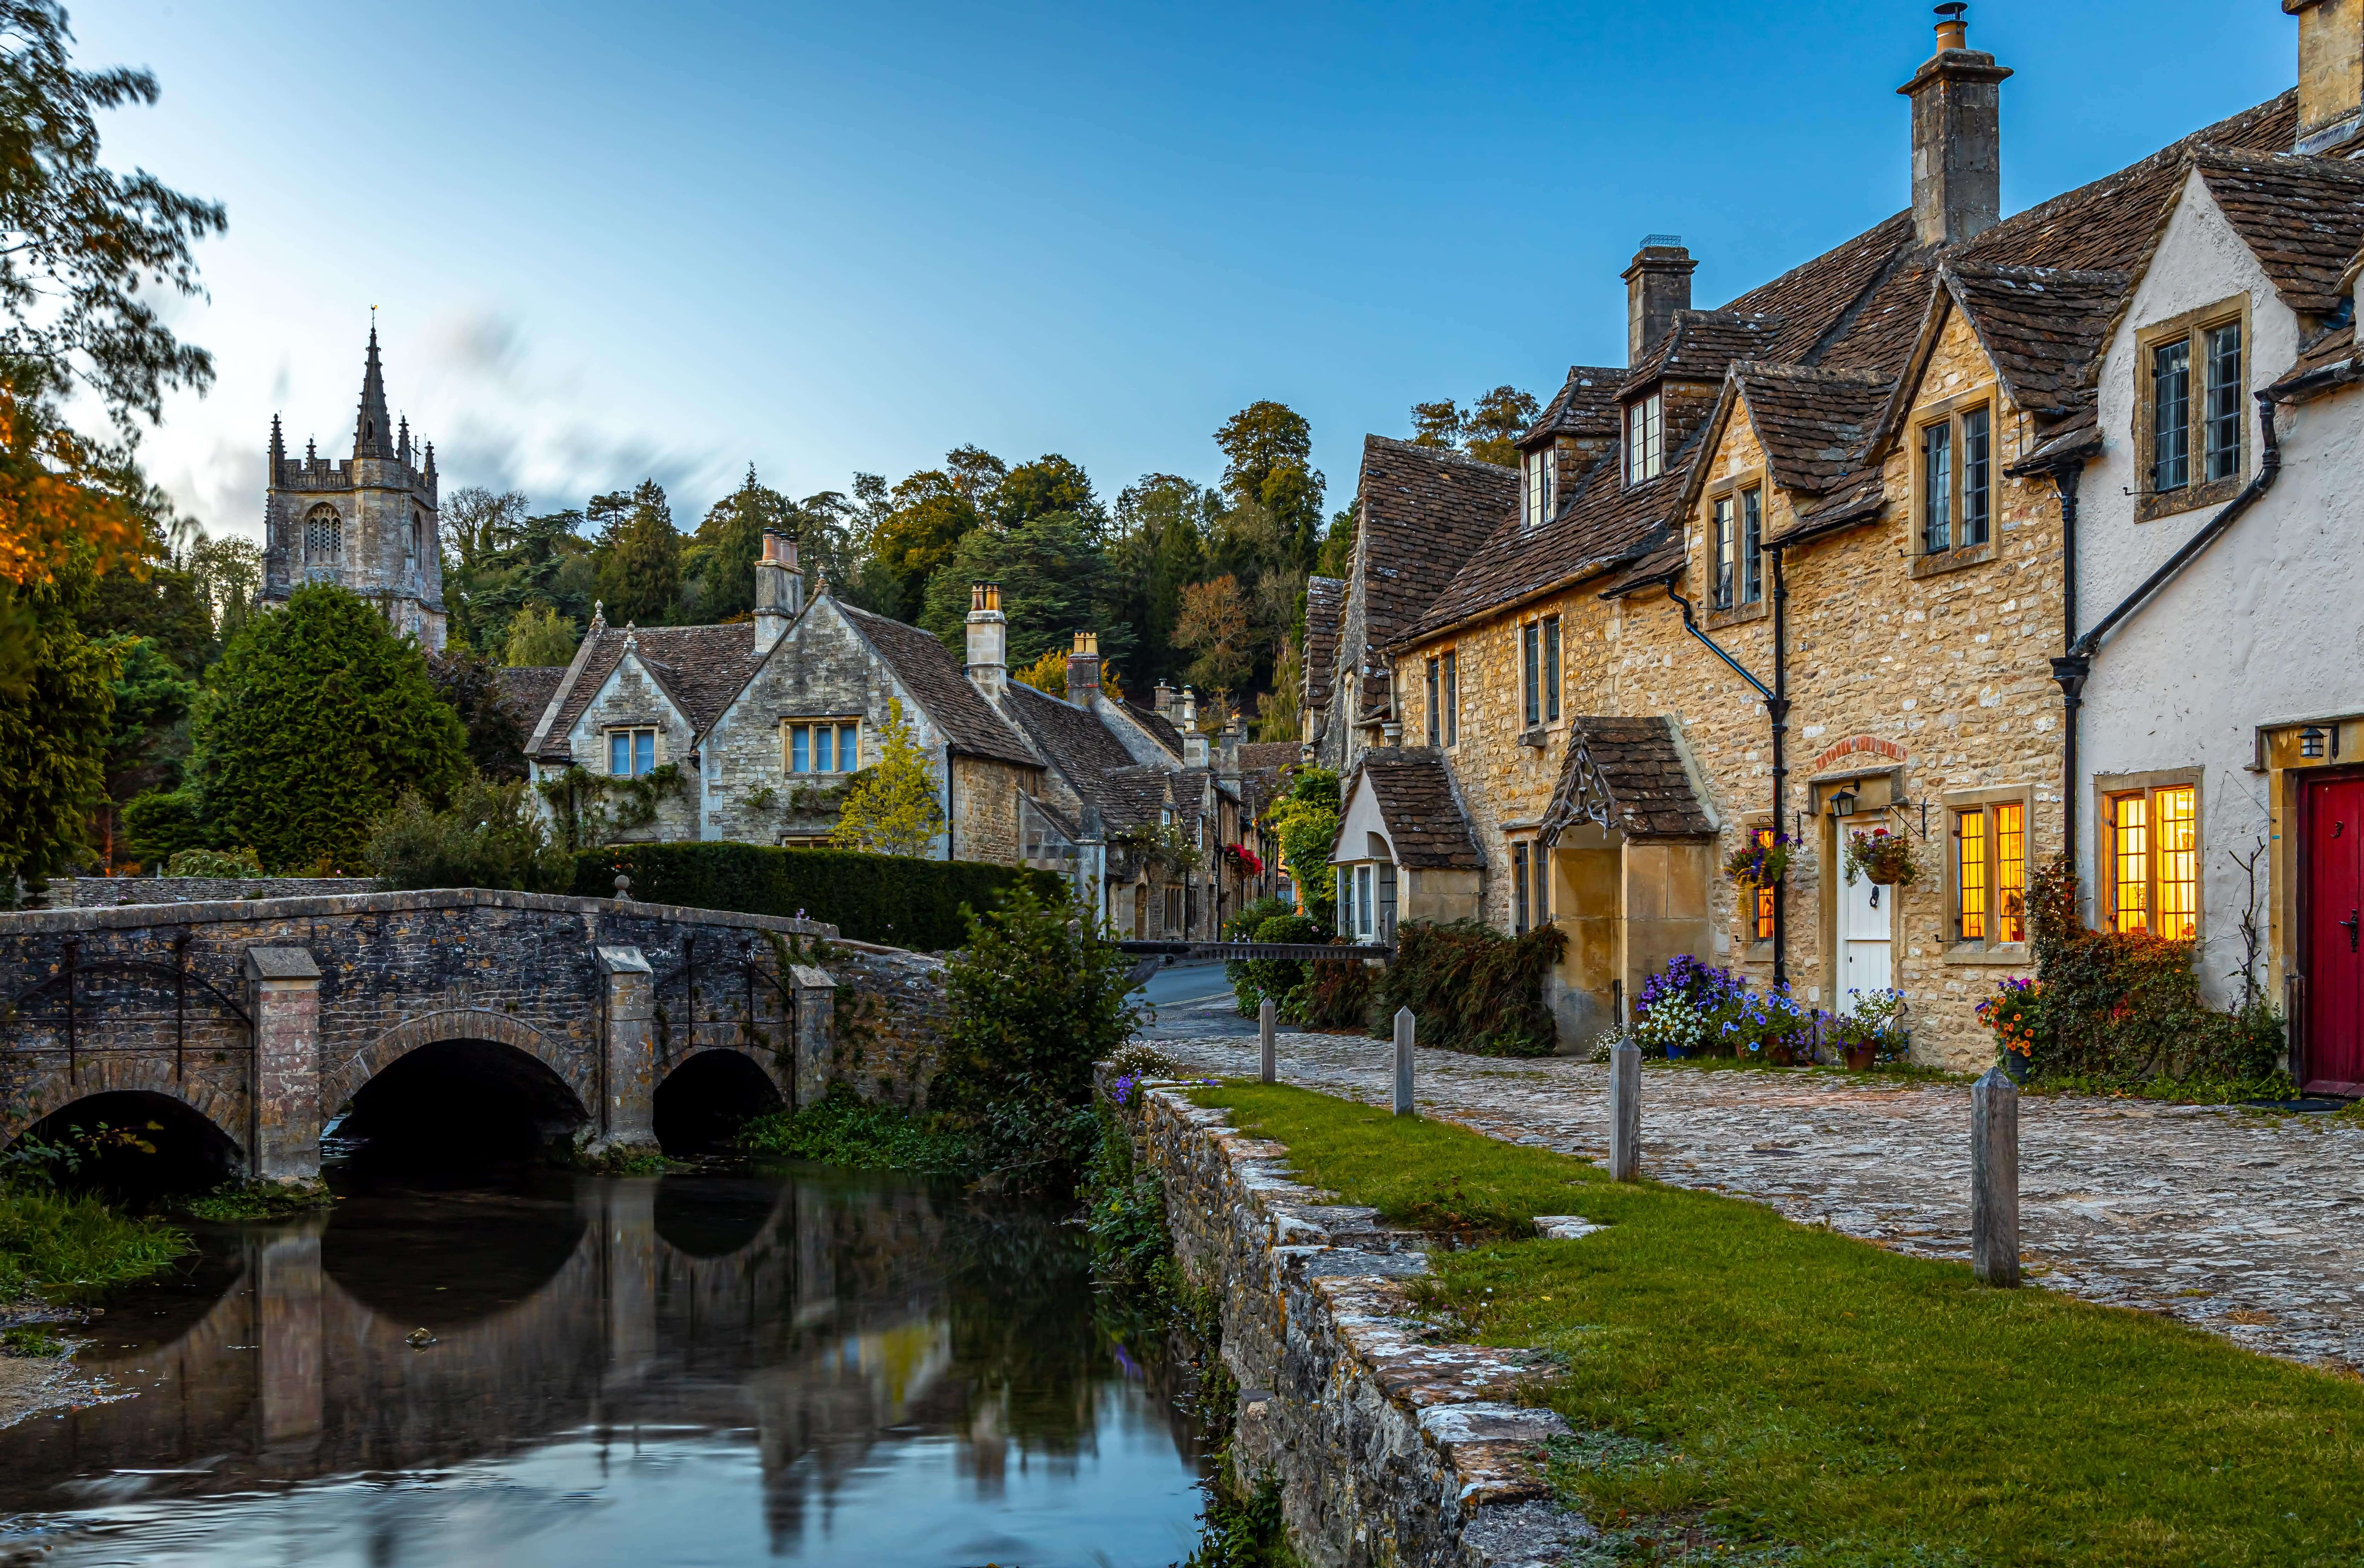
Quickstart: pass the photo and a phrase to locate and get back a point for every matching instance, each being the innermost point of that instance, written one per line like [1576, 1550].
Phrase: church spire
[278, 450]
[373, 431]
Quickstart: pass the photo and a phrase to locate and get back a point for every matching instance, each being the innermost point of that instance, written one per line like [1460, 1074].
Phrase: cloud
[482, 342]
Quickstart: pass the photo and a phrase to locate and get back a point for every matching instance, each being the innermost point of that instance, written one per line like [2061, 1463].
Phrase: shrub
[843, 1131]
[1473, 989]
[1242, 928]
[873, 898]
[1306, 822]
[63, 1244]
[160, 824]
[1753, 1025]
[1254, 979]
[1336, 993]
[491, 836]
[223, 863]
[1878, 1021]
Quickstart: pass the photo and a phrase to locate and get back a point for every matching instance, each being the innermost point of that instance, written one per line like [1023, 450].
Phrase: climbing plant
[592, 808]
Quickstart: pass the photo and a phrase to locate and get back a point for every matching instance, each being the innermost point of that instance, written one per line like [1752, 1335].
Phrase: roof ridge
[1446, 453]
[1785, 370]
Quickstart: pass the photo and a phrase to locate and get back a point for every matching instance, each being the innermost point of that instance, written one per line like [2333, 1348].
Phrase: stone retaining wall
[1391, 1450]
[108, 892]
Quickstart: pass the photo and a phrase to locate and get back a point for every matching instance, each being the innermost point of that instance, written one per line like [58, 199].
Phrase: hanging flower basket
[1756, 864]
[1882, 856]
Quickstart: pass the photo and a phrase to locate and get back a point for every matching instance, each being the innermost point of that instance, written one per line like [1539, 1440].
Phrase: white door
[1865, 908]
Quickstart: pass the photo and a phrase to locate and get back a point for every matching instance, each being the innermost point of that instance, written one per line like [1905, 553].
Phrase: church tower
[367, 522]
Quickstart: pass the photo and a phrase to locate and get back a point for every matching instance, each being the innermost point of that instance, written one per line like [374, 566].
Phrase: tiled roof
[1626, 775]
[1424, 513]
[1854, 501]
[1813, 423]
[1326, 608]
[1075, 741]
[1419, 805]
[2327, 361]
[969, 723]
[700, 668]
[1814, 299]
[1701, 343]
[2076, 434]
[2041, 326]
[1161, 728]
[1586, 404]
[526, 692]
[1608, 520]
[2304, 216]
[1256, 755]
[1131, 797]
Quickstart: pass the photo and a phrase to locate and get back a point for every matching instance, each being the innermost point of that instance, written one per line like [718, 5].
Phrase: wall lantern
[2310, 741]
[1843, 802]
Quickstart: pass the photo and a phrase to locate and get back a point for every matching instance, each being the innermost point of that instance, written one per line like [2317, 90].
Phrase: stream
[799, 1365]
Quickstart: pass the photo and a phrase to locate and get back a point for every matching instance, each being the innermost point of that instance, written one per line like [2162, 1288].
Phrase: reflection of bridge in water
[807, 1315]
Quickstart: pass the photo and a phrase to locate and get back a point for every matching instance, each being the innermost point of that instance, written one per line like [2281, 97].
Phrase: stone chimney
[1194, 739]
[779, 589]
[1228, 755]
[1164, 702]
[1657, 284]
[2330, 72]
[988, 639]
[1956, 136]
[1084, 669]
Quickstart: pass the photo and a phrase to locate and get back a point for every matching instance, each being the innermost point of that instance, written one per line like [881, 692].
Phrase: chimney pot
[1657, 284]
[2330, 72]
[1084, 669]
[1957, 136]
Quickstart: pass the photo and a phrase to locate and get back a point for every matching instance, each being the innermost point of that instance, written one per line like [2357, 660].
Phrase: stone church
[367, 522]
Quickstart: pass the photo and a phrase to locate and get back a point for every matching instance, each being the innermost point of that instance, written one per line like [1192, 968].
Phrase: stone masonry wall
[108, 892]
[1389, 1449]
[630, 697]
[985, 810]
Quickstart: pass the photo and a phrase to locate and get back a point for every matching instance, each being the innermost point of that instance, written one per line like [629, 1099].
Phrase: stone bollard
[1266, 1018]
[623, 888]
[1403, 1062]
[1624, 1113]
[1994, 1179]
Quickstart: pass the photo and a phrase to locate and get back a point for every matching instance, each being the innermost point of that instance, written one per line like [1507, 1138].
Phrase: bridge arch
[701, 1094]
[463, 1082]
[52, 1090]
[446, 1026]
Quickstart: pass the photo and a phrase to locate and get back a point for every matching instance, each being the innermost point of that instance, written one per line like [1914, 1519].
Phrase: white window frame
[1536, 494]
[1645, 439]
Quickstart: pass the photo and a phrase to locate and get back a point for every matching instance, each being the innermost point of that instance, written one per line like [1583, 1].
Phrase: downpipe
[1777, 708]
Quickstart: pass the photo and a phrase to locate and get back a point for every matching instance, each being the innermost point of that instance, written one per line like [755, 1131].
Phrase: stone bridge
[269, 1018]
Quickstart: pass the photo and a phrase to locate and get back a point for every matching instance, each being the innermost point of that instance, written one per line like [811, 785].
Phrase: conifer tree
[639, 555]
[891, 807]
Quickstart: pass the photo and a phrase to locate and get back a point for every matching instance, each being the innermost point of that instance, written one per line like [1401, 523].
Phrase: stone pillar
[816, 1031]
[287, 1288]
[1624, 1113]
[627, 1064]
[283, 997]
[1994, 1179]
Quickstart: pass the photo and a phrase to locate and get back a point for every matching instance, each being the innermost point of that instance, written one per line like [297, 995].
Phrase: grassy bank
[841, 1131]
[1797, 1397]
[72, 1248]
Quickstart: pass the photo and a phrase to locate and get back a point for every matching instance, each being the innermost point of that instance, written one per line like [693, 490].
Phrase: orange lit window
[2154, 843]
[2010, 873]
[1989, 874]
[1970, 870]
[1765, 896]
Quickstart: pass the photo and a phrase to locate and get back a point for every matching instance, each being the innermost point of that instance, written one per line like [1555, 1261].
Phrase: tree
[928, 516]
[54, 730]
[78, 242]
[539, 638]
[228, 573]
[638, 558]
[491, 836]
[1215, 622]
[1337, 557]
[157, 596]
[1278, 716]
[1048, 483]
[478, 525]
[1048, 571]
[471, 683]
[721, 561]
[1495, 422]
[152, 699]
[1162, 525]
[315, 719]
[1306, 822]
[1268, 452]
[1049, 674]
[890, 807]
[1437, 425]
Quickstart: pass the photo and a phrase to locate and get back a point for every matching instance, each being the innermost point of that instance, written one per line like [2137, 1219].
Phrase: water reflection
[693, 1368]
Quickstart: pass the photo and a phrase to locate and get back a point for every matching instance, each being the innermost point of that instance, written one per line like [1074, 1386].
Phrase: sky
[610, 243]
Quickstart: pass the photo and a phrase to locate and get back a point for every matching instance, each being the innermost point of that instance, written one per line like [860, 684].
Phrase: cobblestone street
[2230, 1221]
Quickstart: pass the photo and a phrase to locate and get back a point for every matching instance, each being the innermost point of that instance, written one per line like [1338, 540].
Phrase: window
[1726, 545]
[1989, 873]
[631, 754]
[1551, 669]
[1173, 911]
[1645, 439]
[1766, 896]
[1751, 546]
[1387, 926]
[324, 535]
[1452, 701]
[1363, 902]
[830, 747]
[2153, 840]
[1957, 456]
[1542, 473]
[411, 539]
[1736, 542]
[1531, 671]
[2190, 423]
[1518, 890]
[1435, 716]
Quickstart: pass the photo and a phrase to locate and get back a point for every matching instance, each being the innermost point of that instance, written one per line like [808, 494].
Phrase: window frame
[1645, 437]
[1538, 485]
[1763, 915]
[2192, 329]
[1728, 499]
[1519, 885]
[1435, 713]
[1553, 668]
[1986, 805]
[1956, 416]
[1451, 671]
[631, 735]
[804, 724]
[1531, 674]
[2109, 790]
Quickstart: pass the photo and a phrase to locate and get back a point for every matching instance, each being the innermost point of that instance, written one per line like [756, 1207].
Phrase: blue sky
[612, 242]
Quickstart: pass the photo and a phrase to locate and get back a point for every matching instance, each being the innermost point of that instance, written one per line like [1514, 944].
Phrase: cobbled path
[2234, 1221]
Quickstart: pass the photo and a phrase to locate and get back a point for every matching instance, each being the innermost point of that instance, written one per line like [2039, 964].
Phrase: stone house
[1810, 587]
[367, 522]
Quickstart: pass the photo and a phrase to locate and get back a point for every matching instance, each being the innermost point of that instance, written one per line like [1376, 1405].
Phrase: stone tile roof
[1814, 423]
[1072, 740]
[1421, 807]
[1701, 343]
[1424, 512]
[1814, 301]
[1131, 797]
[2302, 216]
[1586, 404]
[1163, 729]
[2041, 326]
[927, 671]
[700, 668]
[527, 692]
[2076, 434]
[1607, 521]
[1325, 609]
[1257, 755]
[2327, 361]
[1626, 775]
[1853, 501]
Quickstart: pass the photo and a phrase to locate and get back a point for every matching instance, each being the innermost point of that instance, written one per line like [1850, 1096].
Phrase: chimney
[1228, 755]
[1956, 136]
[779, 589]
[1084, 669]
[2330, 72]
[988, 639]
[1164, 702]
[1194, 739]
[1657, 284]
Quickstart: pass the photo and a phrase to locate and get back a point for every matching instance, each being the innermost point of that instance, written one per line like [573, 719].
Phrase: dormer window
[1542, 473]
[1646, 435]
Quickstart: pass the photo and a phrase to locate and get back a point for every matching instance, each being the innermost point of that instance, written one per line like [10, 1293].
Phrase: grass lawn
[73, 1247]
[1761, 1391]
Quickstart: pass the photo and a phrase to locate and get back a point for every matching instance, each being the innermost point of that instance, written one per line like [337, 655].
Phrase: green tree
[1306, 822]
[491, 836]
[1495, 422]
[719, 564]
[54, 733]
[315, 719]
[929, 516]
[1269, 459]
[539, 638]
[638, 558]
[890, 807]
[478, 525]
[1163, 522]
[1050, 483]
[471, 683]
[152, 699]
[1437, 425]
[1337, 557]
[1048, 570]
[228, 574]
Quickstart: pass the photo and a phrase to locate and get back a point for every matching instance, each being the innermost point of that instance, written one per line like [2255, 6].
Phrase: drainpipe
[1777, 707]
[2071, 668]
[2074, 668]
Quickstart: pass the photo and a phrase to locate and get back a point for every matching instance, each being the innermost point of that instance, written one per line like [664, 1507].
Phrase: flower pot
[2014, 1066]
[1781, 1055]
[1859, 1057]
[1681, 1052]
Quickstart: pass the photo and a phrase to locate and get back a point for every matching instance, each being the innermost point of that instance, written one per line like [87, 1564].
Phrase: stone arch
[49, 1090]
[324, 535]
[773, 1066]
[340, 1084]
[1869, 745]
[692, 1105]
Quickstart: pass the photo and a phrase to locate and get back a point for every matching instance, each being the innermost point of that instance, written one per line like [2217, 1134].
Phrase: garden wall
[1389, 1450]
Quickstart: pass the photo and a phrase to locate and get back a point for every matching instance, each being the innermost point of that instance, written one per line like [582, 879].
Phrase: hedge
[1474, 989]
[888, 899]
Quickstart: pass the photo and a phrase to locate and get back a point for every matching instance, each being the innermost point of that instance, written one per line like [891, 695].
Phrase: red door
[2333, 865]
